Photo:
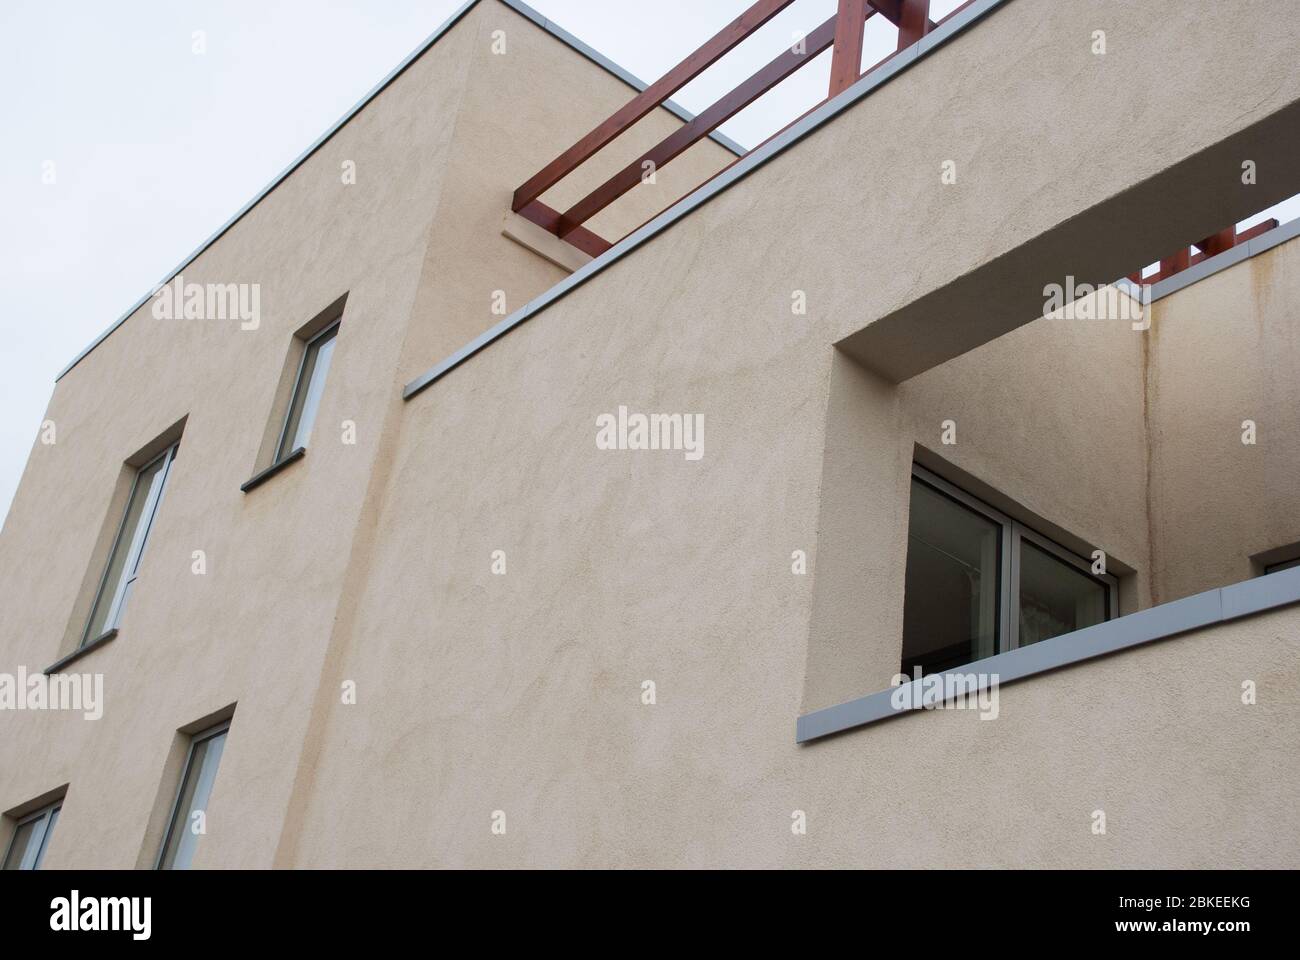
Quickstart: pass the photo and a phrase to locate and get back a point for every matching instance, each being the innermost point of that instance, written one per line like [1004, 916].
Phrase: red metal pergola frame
[842, 32]
[1225, 239]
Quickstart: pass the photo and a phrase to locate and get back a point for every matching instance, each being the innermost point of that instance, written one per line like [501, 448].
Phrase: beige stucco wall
[256, 628]
[522, 692]
[1224, 351]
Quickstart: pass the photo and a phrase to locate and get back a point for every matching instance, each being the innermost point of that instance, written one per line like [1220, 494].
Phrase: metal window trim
[949, 489]
[114, 613]
[1020, 533]
[195, 739]
[152, 506]
[977, 506]
[309, 344]
[135, 552]
[108, 562]
[259, 478]
[45, 834]
[1011, 535]
[47, 810]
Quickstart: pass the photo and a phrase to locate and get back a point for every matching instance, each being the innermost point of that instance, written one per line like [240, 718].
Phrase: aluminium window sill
[260, 478]
[1200, 610]
[81, 651]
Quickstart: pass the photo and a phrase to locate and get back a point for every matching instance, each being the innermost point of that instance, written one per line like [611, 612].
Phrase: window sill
[260, 478]
[81, 651]
[1155, 623]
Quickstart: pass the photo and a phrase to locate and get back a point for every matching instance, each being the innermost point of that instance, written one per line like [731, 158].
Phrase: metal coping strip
[756, 158]
[1200, 610]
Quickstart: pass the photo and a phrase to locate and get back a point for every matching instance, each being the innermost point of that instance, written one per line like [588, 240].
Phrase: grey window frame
[195, 739]
[51, 811]
[329, 330]
[132, 564]
[1013, 534]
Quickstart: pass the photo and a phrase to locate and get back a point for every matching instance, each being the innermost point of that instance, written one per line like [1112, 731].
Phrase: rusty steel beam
[684, 137]
[1225, 239]
[1263, 226]
[1228, 238]
[893, 11]
[911, 17]
[1179, 262]
[846, 60]
[721, 42]
[913, 22]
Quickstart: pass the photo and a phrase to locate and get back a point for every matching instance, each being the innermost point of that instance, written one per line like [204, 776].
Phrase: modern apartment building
[532, 477]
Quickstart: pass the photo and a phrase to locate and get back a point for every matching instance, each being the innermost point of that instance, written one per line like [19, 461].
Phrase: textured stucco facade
[371, 563]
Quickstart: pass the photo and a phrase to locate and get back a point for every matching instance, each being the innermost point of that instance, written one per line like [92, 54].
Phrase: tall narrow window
[31, 837]
[307, 392]
[128, 548]
[188, 821]
[979, 583]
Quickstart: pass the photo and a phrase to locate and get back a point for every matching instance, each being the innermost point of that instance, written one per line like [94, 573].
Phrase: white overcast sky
[154, 148]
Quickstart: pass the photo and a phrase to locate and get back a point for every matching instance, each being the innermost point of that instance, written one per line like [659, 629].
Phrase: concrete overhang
[1179, 205]
[1073, 165]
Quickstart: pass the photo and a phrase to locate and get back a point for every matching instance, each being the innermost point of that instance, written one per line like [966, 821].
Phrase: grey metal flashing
[523, 10]
[1219, 262]
[752, 161]
[81, 651]
[1128, 286]
[1201, 610]
[1193, 274]
[259, 478]
[1279, 234]
[1261, 593]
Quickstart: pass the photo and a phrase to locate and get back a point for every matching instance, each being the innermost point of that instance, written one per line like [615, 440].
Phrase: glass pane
[950, 609]
[307, 394]
[157, 484]
[182, 841]
[1055, 597]
[125, 558]
[18, 847]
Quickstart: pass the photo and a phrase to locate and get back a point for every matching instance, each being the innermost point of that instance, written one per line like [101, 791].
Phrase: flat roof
[523, 10]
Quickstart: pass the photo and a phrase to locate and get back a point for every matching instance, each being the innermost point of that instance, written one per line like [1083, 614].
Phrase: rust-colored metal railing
[1211, 246]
